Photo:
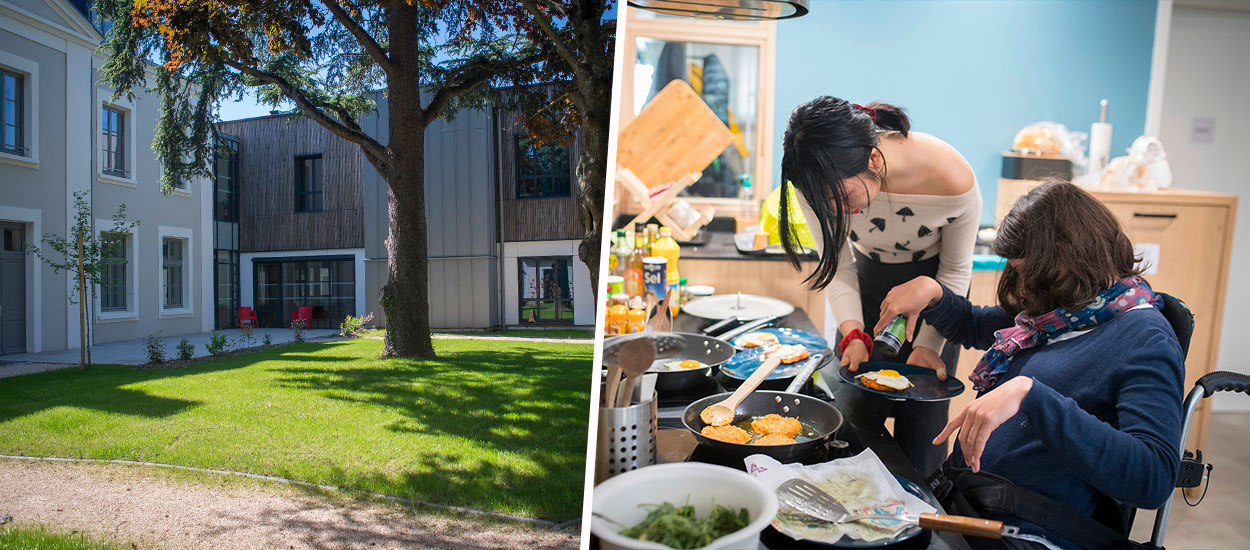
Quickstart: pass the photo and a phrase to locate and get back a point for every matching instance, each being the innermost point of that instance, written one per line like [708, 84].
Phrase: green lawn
[25, 538]
[566, 333]
[491, 425]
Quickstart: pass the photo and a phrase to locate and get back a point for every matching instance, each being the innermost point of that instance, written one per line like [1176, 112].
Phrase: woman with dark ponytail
[885, 205]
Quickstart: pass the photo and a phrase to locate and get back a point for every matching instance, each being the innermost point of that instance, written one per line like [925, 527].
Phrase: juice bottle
[633, 265]
[667, 248]
[618, 315]
[637, 320]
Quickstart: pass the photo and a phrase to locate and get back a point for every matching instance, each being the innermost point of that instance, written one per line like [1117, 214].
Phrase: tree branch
[563, 49]
[476, 74]
[346, 129]
[375, 50]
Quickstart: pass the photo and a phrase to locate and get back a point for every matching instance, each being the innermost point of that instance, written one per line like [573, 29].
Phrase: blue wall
[974, 72]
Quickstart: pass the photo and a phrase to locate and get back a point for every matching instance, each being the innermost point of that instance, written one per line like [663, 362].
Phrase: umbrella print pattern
[924, 231]
[904, 212]
[902, 246]
[917, 256]
[952, 220]
[879, 223]
[854, 237]
[875, 257]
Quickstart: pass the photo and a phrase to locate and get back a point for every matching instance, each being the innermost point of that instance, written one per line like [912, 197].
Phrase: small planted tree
[82, 253]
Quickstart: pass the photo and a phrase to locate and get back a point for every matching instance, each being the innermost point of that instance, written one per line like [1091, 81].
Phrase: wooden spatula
[720, 414]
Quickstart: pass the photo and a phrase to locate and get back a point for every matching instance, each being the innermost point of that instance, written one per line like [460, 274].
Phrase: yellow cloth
[771, 212]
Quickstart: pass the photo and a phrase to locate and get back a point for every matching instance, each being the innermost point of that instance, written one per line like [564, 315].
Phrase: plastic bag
[770, 213]
[1145, 168]
[1051, 138]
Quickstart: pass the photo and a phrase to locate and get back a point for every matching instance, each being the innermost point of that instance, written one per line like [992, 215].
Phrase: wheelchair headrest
[1181, 319]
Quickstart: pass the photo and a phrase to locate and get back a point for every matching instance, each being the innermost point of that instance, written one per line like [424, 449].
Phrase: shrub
[185, 349]
[268, 341]
[155, 349]
[216, 343]
[352, 325]
[297, 330]
[247, 338]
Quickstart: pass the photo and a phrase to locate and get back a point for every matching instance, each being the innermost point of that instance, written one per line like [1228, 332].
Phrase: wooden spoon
[613, 382]
[661, 320]
[636, 357]
[720, 414]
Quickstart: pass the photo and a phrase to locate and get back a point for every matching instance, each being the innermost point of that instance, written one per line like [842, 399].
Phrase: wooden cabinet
[1193, 231]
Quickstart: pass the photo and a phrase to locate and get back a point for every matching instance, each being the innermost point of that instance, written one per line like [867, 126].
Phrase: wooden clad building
[502, 216]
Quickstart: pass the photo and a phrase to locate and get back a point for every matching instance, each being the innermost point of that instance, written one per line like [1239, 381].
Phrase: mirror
[728, 79]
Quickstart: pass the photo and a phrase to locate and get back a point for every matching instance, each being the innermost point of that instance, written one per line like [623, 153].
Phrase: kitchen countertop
[869, 434]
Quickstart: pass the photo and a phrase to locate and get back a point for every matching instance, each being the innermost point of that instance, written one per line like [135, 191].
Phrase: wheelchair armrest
[1219, 381]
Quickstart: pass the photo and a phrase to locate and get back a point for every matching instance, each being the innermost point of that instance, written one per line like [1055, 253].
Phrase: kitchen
[981, 77]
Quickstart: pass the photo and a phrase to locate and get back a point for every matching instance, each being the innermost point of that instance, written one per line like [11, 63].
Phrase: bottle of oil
[620, 253]
[653, 233]
[633, 264]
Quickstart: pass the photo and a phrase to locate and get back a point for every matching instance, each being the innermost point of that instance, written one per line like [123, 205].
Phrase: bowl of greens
[683, 506]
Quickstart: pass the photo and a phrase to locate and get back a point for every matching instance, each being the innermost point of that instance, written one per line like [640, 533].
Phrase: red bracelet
[856, 334]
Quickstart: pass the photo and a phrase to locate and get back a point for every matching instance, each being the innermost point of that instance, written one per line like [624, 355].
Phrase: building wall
[267, 217]
[180, 214]
[1206, 77]
[33, 191]
[973, 73]
[534, 219]
[461, 215]
[52, 45]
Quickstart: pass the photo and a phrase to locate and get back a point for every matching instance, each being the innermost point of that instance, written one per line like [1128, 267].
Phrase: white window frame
[131, 313]
[132, 165]
[188, 267]
[29, 70]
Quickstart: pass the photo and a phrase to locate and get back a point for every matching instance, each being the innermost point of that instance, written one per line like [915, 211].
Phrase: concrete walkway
[131, 352]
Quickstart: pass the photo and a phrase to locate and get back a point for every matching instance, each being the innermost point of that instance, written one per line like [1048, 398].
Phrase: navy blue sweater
[1104, 412]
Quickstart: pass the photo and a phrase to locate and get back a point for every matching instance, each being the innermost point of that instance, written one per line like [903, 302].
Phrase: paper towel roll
[1099, 146]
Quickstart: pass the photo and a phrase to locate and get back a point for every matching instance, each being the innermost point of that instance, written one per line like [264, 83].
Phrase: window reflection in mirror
[727, 78]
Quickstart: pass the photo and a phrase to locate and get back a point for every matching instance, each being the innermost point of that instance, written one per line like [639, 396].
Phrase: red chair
[305, 313]
[247, 315]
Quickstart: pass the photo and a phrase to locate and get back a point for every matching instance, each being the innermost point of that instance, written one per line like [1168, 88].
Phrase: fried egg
[788, 353]
[687, 364]
[885, 379]
[759, 339]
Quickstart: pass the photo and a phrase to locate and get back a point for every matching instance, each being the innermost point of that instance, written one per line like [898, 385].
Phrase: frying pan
[813, 412]
[705, 349]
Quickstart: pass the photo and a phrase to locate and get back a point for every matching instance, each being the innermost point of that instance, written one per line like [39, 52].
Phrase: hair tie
[872, 113]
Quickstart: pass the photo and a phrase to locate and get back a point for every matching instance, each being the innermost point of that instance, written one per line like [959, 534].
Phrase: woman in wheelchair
[1080, 389]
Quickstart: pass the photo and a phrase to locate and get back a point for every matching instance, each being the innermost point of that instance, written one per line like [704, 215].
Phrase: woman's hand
[929, 359]
[854, 354]
[908, 299]
[979, 419]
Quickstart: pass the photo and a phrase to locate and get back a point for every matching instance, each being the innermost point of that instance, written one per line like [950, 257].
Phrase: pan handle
[806, 372]
[719, 325]
[963, 525]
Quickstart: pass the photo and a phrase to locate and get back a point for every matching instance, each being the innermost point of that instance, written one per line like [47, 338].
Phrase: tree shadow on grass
[526, 400]
[104, 388]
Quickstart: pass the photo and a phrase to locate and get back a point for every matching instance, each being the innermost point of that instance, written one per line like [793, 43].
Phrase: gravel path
[153, 509]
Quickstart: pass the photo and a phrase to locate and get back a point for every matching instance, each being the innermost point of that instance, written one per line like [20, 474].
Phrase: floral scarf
[1028, 332]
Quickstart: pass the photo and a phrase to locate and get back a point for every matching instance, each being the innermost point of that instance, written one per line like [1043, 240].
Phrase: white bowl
[705, 485]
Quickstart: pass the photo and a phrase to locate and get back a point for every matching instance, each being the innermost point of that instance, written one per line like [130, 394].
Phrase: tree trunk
[594, 101]
[408, 330]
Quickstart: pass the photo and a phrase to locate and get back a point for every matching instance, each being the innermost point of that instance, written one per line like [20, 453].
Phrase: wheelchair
[1192, 470]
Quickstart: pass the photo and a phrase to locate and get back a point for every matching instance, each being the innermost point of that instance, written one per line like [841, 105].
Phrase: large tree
[328, 57]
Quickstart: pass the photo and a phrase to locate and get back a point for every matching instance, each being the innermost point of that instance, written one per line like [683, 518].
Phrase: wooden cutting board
[674, 135]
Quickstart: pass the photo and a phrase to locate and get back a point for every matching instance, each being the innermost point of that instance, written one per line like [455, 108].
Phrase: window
[308, 183]
[113, 279]
[11, 111]
[114, 139]
[327, 285]
[546, 290]
[225, 183]
[541, 171]
[172, 273]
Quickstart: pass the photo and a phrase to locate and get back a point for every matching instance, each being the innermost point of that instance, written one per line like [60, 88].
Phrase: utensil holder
[626, 438]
